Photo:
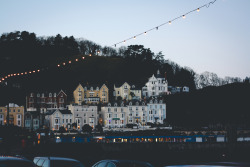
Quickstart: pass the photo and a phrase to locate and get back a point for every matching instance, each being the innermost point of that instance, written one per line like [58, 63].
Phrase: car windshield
[60, 163]
[9, 163]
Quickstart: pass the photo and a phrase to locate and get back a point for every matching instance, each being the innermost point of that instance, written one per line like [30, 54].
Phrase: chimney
[165, 75]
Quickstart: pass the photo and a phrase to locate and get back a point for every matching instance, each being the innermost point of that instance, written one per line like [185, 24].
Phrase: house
[15, 115]
[125, 91]
[114, 115]
[33, 120]
[155, 86]
[156, 111]
[91, 94]
[56, 118]
[118, 115]
[46, 101]
[84, 114]
[177, 89]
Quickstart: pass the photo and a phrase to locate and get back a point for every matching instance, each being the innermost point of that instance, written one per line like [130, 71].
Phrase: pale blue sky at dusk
[216, 39]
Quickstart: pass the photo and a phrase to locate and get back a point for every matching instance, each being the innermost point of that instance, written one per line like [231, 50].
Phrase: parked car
[121, 163]
[56, 162]
[8, 161]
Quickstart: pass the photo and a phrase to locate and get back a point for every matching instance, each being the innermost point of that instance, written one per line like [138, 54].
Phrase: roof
[91, 85]
[61, 111]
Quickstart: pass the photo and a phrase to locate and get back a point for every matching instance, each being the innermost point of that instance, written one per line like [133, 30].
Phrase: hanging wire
[168, 22]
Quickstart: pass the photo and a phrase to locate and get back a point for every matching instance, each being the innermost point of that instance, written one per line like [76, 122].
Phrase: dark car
[121, 163]
[7, 161]
[56, 162]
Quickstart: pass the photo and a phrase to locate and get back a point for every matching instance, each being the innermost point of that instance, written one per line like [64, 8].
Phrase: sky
[215, 39]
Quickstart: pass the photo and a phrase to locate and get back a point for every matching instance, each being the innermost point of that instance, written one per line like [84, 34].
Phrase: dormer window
[115, 104]
[54, 94]
[160, 101]
[43, 95]
[50, 94]
[38, 95]
[130, 103]
[85, 88]
[137, 103]
[97, 88]
[91, 88]
[156, 101]
[143, 103]
[79, 89]
[31, 95]
[151, 101]
[109, 104]
[133, 86]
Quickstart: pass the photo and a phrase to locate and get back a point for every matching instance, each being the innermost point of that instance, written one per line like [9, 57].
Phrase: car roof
[4, 158]
[124, 161]
[57, 158]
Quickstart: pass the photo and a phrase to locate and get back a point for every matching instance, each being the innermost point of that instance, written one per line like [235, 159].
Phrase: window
[27, 123]
[109, 109]
[115, 109]
[14, 110]
[121, 109]
[38, 95]
[0, 110]
[50, 94]
[118, 92]
[54, 94]
[18, 110]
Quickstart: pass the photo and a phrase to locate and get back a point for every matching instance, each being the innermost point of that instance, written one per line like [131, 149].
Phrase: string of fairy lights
[183, 16]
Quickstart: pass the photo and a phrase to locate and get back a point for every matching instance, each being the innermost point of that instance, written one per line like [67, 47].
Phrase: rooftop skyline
[215, 39]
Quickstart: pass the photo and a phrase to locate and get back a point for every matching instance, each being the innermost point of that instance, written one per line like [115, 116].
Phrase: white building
[119, 115]
[114, 116]
[84, 114]
[57, 118]
[155, 86]
[156, 111]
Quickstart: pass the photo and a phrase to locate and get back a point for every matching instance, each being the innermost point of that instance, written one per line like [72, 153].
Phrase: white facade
[156, 111]
[118, 116]
[57, 119]
[155, 86]
[84, 115]
[114, 116]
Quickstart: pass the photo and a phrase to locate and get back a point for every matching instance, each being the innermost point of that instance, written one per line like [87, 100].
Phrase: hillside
[211, 106]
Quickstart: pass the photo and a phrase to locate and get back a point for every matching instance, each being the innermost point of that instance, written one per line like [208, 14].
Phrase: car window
[60, 163]
[35, 160]
[102, 164]
[110, 164]
[46, 163]
[9, 163]
[40, 163]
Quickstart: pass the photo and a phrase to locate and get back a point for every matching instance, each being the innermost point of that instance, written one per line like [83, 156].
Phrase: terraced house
[16, 115]
[91, 94]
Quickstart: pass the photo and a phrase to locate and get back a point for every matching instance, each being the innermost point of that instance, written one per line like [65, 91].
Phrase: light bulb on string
[34, 71]
[38, 70]
[183, 16]
[21, 73]
[69, 62]
[8, 75]
[83, 58]
[124, 41]
[198, 9]
[14, 74]
[18, 74]
[58, 65]
[76, 59]
[25, 73]
[145, 33]
[64, 64]
[90, 55]
[134, 37]
[169, 22]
